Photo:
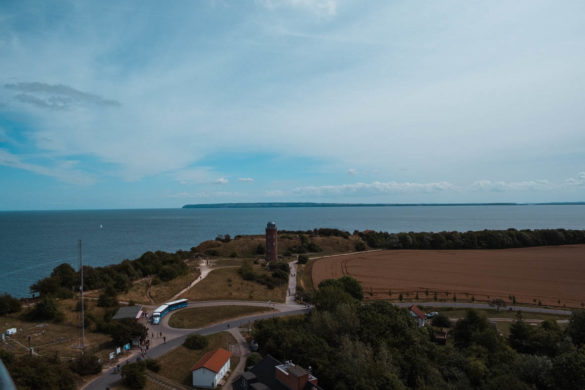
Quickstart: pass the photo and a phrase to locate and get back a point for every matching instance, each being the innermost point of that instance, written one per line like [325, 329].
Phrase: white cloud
[56, 97]
[318, 7]
[205, 195]
[64, 171]
[577, 181]
[375, 187]
[352, 172]
[502, 186]
[246, 179]
[221, 180]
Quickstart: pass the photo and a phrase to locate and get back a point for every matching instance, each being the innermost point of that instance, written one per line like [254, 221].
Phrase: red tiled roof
[419, 313]
[213, 360]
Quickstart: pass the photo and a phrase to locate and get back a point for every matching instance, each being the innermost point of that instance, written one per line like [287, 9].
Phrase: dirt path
[205, 270]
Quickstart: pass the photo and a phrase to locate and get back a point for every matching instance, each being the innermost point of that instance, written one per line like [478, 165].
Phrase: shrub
[152, 365]
[133, 375]
[196, 341]
[441, 321]
[9, 304]
[253, 359]
[360, 246]
[86, 365]
[303, 259]
[45, 310]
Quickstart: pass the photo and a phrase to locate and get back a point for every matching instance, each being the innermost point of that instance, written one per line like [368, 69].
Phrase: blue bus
[164, 309]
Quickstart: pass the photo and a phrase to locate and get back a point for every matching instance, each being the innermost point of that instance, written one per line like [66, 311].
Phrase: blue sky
[157, 104]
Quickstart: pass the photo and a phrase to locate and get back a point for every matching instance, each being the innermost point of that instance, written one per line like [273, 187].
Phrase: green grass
[199, 317]
[226, 283]
[176, 365]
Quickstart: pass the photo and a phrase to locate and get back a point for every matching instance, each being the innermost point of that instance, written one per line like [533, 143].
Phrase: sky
[149, 104]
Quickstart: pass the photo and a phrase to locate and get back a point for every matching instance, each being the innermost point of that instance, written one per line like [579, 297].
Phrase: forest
[364, 346]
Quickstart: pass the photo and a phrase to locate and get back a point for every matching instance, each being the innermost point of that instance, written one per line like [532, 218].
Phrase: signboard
[11, 331]
[112, 355]
[127, 347]
[118, 350]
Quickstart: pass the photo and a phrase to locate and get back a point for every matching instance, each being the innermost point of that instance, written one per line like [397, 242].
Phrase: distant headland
[313, 204]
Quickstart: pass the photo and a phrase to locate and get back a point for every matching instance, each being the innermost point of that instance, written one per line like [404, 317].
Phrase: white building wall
[209, 379]
[204, 378]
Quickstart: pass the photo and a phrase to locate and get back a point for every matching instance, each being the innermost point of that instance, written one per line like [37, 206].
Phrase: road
[174, 337]
[463, 305]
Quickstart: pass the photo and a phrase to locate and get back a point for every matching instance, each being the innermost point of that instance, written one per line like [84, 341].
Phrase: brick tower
[271, 245]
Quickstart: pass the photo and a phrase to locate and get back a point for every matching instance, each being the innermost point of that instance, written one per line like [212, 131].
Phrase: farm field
[553, 276]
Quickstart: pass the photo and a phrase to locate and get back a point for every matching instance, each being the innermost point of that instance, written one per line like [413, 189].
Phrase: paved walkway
[292, 283]
[244, 352]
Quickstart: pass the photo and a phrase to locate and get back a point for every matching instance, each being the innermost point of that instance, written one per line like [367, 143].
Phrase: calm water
[32, 243]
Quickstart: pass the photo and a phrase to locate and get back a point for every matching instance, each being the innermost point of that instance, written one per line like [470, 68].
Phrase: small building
[271, 374]
[211, 368]
[134, 312]
[418, 315]
[271, 242]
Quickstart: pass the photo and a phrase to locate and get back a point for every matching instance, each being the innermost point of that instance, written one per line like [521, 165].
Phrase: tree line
[64, 280]
[484, 239]
[352, 345]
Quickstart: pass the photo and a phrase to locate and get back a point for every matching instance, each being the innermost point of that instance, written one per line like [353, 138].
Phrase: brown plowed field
[548, 274]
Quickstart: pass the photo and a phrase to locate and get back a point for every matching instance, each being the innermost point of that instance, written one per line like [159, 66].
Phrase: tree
[253, 359]
[36, 373]
[441, 321]
[569, 370]
[86, 364]
[196, 341]
[352, 287]
[125, 330]
[65, 276]
[260, 250]
[45, 310]
[108, 298]
[303, 259]
[9, 304]
[576, 327]
[133, 375]
[360, 246]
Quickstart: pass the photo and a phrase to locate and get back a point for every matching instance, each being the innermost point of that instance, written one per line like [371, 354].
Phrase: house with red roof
[419, 315]
[211, 368]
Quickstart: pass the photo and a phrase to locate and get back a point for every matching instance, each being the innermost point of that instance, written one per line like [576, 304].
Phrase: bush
[360, 246]
[9, 304]
[45, 310]
[253, 359]
[196, 341]
[441, 321]
[133, 375]
[152, 365]
[260, 250]
[303, 259]
[86, 365]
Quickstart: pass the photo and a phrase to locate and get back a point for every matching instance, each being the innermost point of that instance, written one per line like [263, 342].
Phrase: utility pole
[82, 303]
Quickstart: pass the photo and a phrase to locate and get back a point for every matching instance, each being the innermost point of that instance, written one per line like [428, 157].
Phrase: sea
[32, 243]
